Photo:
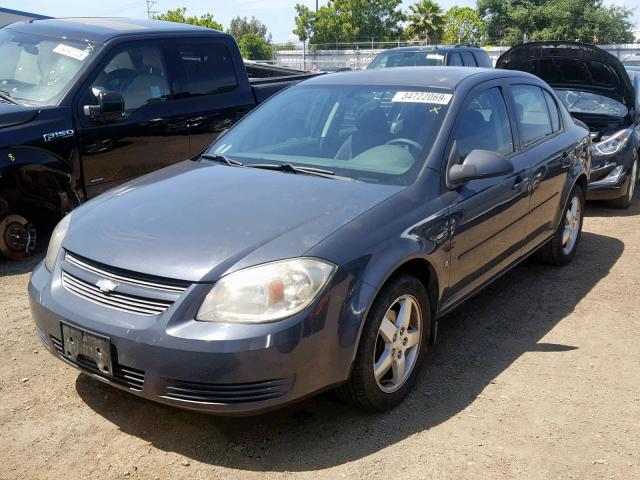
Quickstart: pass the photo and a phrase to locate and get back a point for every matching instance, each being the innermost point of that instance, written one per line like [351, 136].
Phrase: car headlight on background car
[55, 244]
[614, 143]
[267, 292]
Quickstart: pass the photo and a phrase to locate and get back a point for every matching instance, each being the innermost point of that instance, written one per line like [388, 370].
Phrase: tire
[377, 395]
[17, 237]
[559, 251]
[625, 201]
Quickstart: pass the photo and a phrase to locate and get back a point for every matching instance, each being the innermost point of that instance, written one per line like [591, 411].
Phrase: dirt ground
[537, 377]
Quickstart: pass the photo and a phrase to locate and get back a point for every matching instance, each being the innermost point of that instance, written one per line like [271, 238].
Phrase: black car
[597, 90]
[88, 103]
[317, 242]
[432, 56]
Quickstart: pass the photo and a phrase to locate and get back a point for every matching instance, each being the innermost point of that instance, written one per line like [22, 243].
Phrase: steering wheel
[405, 141]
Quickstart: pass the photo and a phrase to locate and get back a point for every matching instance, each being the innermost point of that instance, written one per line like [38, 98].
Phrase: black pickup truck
[88, 103]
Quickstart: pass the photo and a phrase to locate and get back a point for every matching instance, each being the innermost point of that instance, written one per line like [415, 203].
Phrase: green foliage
[463, 25]
[304, 22]
[349, 21]
[254, 47]
[514, 21]
[425, 22]
[241, 26]
[178, 15]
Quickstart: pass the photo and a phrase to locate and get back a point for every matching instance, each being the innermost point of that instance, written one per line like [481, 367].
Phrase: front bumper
[611, 186]
[218, 368]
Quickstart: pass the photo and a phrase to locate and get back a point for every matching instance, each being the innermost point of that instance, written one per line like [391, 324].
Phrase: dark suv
[432, 56]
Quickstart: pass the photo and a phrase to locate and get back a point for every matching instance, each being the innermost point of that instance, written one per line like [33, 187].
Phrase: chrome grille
[126, 277]
[118, 301]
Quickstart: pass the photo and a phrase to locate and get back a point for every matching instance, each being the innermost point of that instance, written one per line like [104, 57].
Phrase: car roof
[103, 29]
[432, 48]
[435, 77]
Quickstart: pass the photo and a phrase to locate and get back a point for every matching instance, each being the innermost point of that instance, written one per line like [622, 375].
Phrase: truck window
[138, 74]
[207, 69]
[469, 60]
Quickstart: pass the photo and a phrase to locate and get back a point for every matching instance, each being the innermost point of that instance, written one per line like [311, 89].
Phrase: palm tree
[425, 21]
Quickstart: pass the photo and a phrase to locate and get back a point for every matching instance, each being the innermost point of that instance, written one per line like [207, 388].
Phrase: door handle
[520, 182]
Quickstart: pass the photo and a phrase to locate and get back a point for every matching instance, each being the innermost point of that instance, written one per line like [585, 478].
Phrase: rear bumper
[217, 372]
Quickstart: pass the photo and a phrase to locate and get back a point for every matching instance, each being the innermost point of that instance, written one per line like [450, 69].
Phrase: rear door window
[532, 113]
[554, 113]
[203, 69]
[468, 59]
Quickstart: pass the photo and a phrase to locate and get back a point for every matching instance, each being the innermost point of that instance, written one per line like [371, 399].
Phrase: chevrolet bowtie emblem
[106, 286]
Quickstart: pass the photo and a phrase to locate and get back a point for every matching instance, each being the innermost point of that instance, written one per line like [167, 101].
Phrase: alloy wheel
[397, 344]
[572, 221]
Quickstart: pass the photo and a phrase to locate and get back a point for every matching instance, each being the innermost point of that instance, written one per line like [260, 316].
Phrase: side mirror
[110, 107]
[478, 164]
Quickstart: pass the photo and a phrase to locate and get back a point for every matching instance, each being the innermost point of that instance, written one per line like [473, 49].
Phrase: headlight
[266, 293]
[614, 143]
[55, 244]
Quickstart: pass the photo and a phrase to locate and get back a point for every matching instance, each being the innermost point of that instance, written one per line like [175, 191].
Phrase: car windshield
[407, 59]
[36, 69]
[586, 102]
[366, 133]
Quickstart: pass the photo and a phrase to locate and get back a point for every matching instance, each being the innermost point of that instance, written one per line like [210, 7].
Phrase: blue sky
[276, 14]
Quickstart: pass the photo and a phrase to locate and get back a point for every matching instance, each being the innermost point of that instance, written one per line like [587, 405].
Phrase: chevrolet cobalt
[317, 242]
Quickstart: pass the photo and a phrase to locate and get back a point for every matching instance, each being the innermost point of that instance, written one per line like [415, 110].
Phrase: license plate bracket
[78, 343]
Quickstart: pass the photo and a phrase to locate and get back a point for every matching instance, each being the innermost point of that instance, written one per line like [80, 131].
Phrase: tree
[304, 22]
[463, 25]
[514, 21]
[425, 21]
[350, 21]
[241, 26]
[254, 47]
[178, 15]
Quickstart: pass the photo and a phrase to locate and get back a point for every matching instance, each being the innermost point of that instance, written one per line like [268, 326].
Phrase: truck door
[151, 134]
[210, 85]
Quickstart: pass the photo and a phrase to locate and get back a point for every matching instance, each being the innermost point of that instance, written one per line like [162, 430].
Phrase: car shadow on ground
[477, 342]
[10, 268]
[601, 209]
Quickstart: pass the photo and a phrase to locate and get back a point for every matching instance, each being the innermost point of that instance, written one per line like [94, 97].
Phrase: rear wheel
[564, 243]
[17, 237]
[393, 343]
[625, 201]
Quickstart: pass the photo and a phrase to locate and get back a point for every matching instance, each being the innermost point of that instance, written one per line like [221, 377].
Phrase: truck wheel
[625, 201]
[17, 237]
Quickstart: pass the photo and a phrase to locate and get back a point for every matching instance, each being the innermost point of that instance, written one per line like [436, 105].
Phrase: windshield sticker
[71, 52]
[422, 97]
[435, 56]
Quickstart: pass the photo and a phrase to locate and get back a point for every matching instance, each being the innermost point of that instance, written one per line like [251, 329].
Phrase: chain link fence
[358, 56]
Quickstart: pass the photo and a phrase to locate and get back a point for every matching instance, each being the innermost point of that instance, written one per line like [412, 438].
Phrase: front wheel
[625, 201]
[17, 237]
[564, 243]
[393, 343]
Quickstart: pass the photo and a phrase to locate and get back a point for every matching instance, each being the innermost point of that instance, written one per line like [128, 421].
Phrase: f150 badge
[61, 134]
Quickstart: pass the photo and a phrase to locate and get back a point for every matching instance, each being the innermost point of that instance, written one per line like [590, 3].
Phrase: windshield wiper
[7, 96]
[222, 159]
[288, 167]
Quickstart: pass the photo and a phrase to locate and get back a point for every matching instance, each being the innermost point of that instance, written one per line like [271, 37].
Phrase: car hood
[196, 221]
[11, 115]
[572, 66]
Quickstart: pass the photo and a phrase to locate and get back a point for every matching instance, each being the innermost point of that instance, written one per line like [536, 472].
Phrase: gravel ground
[536, 377]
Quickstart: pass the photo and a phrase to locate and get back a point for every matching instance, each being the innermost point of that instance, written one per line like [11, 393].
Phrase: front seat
[372, 130]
